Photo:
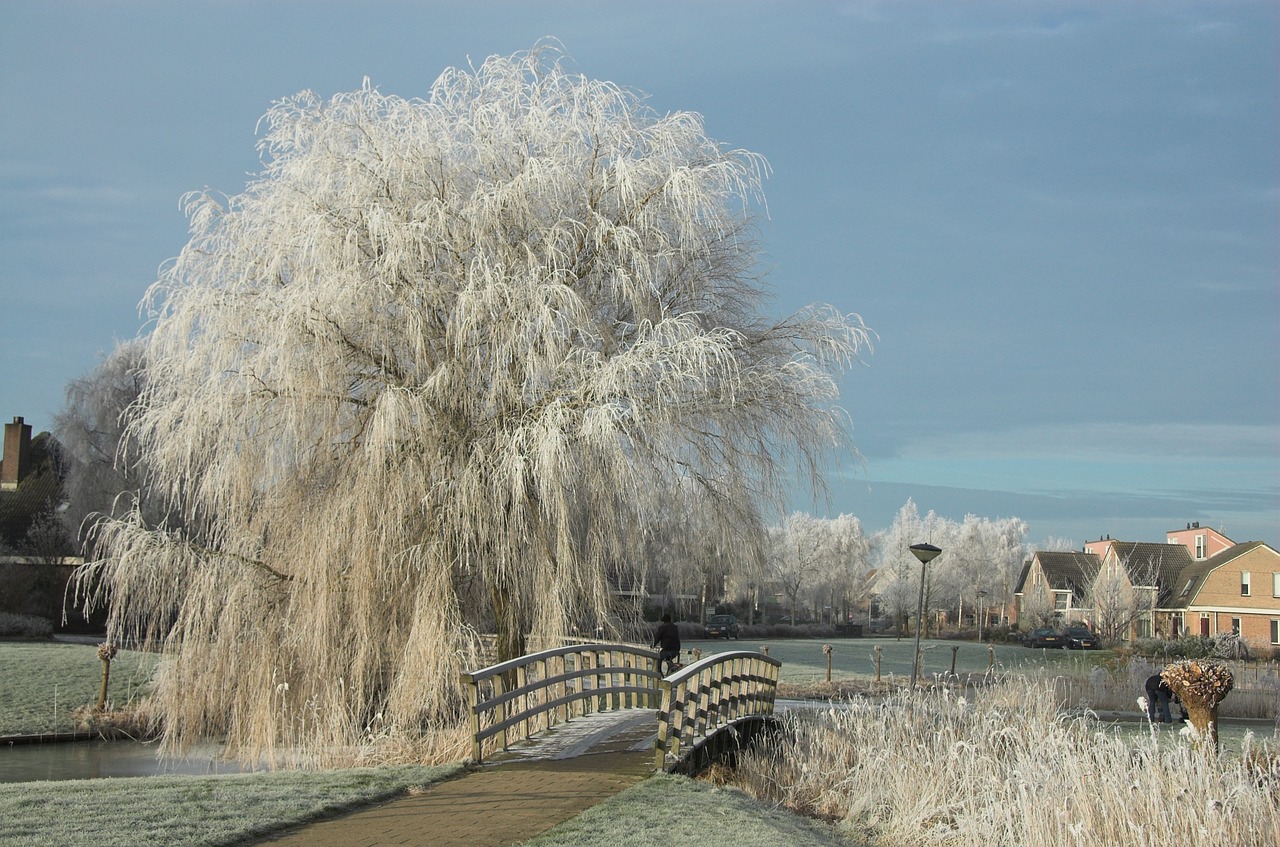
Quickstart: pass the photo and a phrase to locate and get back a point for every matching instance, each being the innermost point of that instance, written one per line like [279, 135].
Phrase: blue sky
[1062, 219]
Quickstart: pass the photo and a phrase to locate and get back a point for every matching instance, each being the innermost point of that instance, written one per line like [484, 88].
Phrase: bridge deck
[535, 785]
[621, 731]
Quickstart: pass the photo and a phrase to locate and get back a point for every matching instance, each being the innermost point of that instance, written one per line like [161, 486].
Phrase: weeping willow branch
[441, 369]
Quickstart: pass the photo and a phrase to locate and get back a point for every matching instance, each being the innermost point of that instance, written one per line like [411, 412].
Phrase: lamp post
[982, 613]
[926, 554]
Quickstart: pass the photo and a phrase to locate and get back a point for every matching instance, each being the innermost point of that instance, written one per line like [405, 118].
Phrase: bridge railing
[709, 694]
[515, 699]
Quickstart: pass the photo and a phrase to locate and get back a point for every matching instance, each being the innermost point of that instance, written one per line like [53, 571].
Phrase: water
[96, 759]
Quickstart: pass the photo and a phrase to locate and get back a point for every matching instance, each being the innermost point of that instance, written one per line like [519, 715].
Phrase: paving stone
[522, 793]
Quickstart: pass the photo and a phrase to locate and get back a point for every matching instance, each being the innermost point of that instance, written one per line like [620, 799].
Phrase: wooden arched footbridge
[588, 692]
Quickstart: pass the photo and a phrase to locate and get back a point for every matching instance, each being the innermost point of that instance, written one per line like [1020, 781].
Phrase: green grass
[42, 683]
[665, 810]
[190, 810]
[803, 660]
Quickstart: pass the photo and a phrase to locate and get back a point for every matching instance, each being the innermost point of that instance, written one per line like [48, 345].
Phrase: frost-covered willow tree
[433, 373]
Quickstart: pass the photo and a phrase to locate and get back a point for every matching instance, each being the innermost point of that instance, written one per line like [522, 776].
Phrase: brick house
[1053, 586]
[1199, 582]
[1237, 590]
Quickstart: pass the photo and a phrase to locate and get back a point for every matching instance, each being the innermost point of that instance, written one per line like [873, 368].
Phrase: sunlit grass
[44, 683]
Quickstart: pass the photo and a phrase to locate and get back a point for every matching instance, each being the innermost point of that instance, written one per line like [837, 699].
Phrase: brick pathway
[523, 795]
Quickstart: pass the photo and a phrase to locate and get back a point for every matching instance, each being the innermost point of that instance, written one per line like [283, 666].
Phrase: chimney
[17, 443]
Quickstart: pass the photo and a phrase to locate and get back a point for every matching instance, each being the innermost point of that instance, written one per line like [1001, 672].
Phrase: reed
[1010, 765]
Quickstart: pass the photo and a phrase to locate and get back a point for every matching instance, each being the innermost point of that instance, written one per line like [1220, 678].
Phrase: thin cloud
[1093, 442]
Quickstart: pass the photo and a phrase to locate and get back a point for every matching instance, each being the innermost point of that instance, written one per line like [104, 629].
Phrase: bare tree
[1037, 606]
[434, 371]
[1124, 593]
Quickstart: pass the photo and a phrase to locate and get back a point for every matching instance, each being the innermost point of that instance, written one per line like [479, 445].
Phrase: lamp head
[925, 552]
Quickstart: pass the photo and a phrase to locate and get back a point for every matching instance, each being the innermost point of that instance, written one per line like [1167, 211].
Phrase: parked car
[721, 626]
[1080, 638]
[1044, 637]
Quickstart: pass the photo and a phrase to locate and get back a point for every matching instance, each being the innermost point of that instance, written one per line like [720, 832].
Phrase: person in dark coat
[1158, 696]
[667, 640]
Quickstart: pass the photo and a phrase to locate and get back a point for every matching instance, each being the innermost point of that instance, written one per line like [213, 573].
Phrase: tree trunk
[1204, 717]
[509, 620]
[106, 678]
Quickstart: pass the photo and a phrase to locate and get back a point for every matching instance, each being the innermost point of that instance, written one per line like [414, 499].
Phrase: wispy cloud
[1101, 442]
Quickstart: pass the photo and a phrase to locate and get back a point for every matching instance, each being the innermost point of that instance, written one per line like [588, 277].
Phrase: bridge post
[473, 701]
[665, 713]
[499, 689]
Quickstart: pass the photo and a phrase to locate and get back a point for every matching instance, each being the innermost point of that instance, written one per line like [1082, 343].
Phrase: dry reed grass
[1009, 766]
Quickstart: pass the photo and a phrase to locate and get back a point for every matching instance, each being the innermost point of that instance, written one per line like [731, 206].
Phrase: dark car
[721, 626]
[1080, 638]
[1044, 637]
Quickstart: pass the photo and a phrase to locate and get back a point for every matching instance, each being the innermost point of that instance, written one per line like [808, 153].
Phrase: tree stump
[1201, 686]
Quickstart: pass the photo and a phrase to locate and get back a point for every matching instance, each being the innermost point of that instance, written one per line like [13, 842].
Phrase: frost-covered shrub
[1229, 645]
[1185, 647]
[24, 626]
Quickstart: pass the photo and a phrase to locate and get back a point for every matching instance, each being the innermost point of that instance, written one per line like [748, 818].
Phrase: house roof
[1022, 576]
[1147, 563]
[1069, 571]
[35, 494]
[1191, 578]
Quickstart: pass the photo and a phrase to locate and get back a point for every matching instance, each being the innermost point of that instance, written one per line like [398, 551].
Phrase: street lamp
[982, 613]
[926, 554]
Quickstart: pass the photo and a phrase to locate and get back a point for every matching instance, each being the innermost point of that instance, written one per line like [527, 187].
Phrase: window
[1061, 601]
[1199, 546]
[1235, 626]
[1275, 585]
[1275, 632]
[1244, 583]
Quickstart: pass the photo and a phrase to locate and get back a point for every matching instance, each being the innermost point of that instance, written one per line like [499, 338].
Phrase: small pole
[954, 650]
[991, 657]
[826, 648]
[878, 649]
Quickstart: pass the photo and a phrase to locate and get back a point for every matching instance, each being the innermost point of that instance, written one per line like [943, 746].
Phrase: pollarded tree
[434, 371]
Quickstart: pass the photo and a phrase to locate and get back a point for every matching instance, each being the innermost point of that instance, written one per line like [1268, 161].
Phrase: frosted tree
[433, 373]
[803, 554]
[843, 552]
[899, 587]
[1008, 550]
[99, 465]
